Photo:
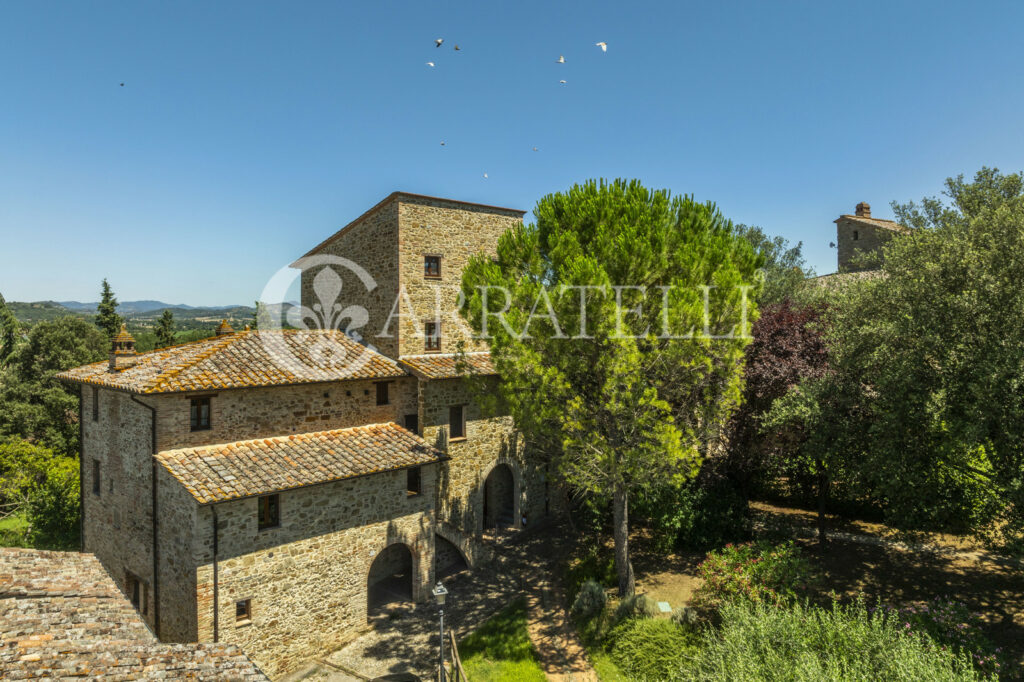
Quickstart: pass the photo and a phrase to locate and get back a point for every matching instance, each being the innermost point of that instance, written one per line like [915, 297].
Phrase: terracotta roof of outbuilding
[61, 616]
[448, 365]
[215, 473]
[874, 222]
[243, 359]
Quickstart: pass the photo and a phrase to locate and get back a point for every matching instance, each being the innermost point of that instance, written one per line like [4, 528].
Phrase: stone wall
[307, 578]
[371, 242]
[870, 239]
[177, 519]
[118, 521]
[281, 410]
[455, 232]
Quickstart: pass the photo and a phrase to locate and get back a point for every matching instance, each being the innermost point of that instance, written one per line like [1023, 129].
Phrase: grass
[12, 531]
[500, 650]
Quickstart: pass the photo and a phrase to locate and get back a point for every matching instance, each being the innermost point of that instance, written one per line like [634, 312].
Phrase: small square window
[456, 422]
[432, 336]
[855, 235]
[412, 423]
[96, 484]
[269, 511]
[432, 267]
[243, 611]
[382, 393]
[200, 413]
[413, 482]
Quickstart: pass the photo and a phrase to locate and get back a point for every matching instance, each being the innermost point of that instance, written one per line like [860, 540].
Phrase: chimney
[863, 210]
[223, 329]
[122, 351]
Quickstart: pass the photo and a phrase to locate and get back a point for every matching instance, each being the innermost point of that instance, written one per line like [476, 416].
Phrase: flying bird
[437, 43]
[603, 46]
[485, 176]
[122, 85]
[457, 48]
[562, 82]
[534, 149]
[430, 64]
[442, 143]
[561, 59]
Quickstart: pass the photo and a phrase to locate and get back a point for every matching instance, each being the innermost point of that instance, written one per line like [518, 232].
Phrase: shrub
[755, 572]
[805, 644]
[684, 616]
[589, 602]
[651, 649]
[52, 508]
[637, 606]
[597, 565]
[950, 623]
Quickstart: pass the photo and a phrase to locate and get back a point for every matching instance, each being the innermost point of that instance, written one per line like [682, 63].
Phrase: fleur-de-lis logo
[313, 347]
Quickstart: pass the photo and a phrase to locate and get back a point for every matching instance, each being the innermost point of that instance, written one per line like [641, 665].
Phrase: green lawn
[500, 650]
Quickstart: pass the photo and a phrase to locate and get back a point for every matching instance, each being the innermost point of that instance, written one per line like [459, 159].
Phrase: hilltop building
[276, 489]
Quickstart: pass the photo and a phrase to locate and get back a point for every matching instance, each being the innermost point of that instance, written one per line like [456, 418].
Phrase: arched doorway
[448, 560]
[499, 498]
[389, 583]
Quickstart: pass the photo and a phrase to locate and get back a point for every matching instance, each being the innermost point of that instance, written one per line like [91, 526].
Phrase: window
[456, 422]
[95, 404]
[855, 235]
[136, 593]
[269, 511]
[200, 413]
[412, 423]
[432, 336]
[413, 485]
[432, 267]
[95, 477]
[382, 392]
[243, 611]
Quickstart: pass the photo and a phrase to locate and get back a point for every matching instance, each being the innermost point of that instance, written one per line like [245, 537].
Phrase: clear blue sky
[247, 132]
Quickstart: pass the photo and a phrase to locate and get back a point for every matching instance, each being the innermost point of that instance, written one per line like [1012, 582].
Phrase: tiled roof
[243, 359]
[61, 616]
[448, 365]
[874, 222]
[215, 473]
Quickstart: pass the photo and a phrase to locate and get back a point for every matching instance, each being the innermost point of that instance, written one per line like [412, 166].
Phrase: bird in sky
[437, 43]
[430, 64]
[561, 59]
[122, 85]
[457, 48]
[485, 176]
[442, 143]
[562, 82]
[603, 46]
[534, 149]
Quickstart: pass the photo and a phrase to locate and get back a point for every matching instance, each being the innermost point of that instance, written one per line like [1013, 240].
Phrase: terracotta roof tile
[448, 365]
[215, 473]
[62, 616]
[243, 359]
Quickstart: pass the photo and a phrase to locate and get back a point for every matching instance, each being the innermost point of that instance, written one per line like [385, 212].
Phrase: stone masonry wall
[178, 516]
[281, 410]
[371, 242]
[870, 239]
[118, 521]
[455, 232]
[307, 578]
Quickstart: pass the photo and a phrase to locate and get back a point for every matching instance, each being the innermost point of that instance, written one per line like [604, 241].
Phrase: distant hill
[142, 314]
[129, 307]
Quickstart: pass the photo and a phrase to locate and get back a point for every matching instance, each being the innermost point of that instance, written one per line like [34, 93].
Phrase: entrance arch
[448, 559]
[389, 582]
[499, 498]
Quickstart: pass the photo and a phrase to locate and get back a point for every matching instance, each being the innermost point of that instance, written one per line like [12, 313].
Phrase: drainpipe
[156, 548]
[216, 600]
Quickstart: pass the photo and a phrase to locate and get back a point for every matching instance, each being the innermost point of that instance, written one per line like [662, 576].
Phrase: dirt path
[555, 642]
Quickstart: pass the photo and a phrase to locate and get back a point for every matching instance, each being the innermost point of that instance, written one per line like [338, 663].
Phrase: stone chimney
[223, 329]
[863, 210]
[122, 351]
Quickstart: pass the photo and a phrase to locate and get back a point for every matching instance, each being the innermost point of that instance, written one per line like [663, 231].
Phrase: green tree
[165, 330]
[588, 314]
[784, 269]
[35, 405]
[10, 329]
[107, 318]
[42, 486]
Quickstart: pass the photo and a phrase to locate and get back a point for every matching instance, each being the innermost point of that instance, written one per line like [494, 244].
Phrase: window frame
[415, 418]
[383, 387]
[195, 419]
[427, 258]
[429, 347]
[414, 481]
[245, 617]
[461, 421]
[856, 235]
[97, 483]
[263, 506]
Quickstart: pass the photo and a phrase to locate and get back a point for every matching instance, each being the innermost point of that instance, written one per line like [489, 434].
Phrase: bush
[589, 602]
[597, 565]
[52, 509]
[651, 649]
[951, 624]
[637, 606]
[755, 572]
[804, 644]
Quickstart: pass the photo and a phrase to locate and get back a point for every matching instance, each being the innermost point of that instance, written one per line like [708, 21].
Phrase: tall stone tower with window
[860, 238]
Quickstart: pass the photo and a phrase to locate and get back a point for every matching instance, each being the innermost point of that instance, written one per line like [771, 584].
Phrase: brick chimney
[122, 351]
[223, 329]
[863, 210]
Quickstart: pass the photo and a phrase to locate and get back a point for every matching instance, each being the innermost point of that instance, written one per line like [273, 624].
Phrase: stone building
[277, 489]
[860, 235]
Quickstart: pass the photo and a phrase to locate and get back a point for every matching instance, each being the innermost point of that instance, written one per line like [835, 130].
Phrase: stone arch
[391, 580]
[449, 558]
[500, 497]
